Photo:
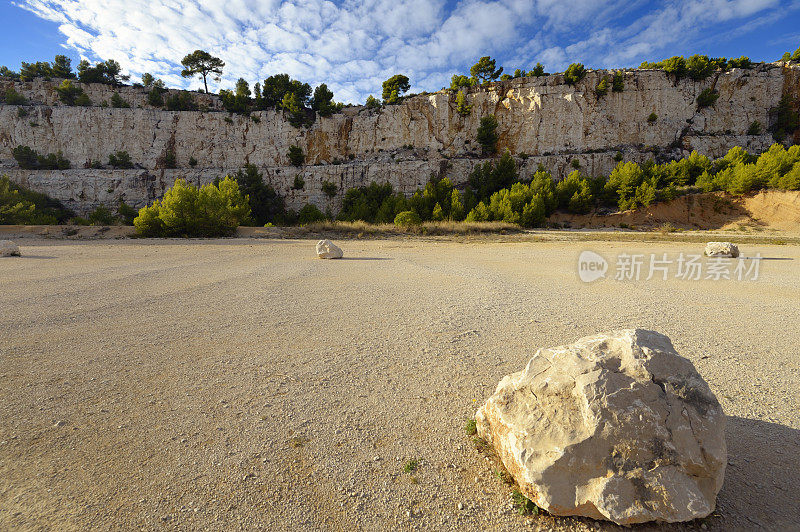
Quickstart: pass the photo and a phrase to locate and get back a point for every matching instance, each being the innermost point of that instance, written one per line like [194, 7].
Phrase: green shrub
[602, 88]
[755, 128]
[126, 213]
[652, 118]
[461, 104]
[118, 102]
[487, 135]
[674, 65]
[537, 71]
[574, 193]
[785, 118]
[29, 159]
[299, 183]
[372, 102]
[155, 96]
[169, 159]
[329, 189]
[82, 100]
[266, 205]
[26, 157]
[424, 201]
[102, 216]
[518, 204]
[575, 72]
[185, 210]
[456, 206]
[296, 155]
[12, 97]
[19, 205]
[120, 159]
[707, 98]
[192, 162]
[699, 67]
[68, 93]
[180, 101]
[618, 85]
[742, 62]
[365, 202]
[310, 214]
[488, 178]
[407, 219]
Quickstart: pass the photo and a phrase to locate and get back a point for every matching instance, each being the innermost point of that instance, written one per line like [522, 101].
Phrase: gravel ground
[240, 384]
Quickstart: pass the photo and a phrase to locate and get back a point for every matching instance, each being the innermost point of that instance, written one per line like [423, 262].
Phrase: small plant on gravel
[504, 476]
[667, 228]
[471, 427]
[524, 505]
[299, 441]
[411, 465]
[481, 445]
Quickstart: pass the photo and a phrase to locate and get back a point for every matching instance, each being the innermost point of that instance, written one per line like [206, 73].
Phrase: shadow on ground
[762, 481]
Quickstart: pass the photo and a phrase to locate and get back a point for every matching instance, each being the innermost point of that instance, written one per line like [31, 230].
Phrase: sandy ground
[765, 212]
[241, 384]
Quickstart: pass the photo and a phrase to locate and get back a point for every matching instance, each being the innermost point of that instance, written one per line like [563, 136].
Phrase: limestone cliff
[541, 121]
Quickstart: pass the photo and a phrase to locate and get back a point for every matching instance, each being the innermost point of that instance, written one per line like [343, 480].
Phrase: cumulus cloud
[354, 45]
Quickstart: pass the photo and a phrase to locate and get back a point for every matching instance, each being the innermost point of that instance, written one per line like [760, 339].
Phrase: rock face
[540, 120]
[328, 250]
[721, 249]
[8, 249]
[616, 426]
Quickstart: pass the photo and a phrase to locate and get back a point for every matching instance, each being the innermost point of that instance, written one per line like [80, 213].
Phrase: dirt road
[240, 384]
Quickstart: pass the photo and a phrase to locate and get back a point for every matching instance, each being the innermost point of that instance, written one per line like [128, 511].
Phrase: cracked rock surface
[616, 426]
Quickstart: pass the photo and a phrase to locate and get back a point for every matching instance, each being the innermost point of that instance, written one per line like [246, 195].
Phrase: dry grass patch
[360, 228]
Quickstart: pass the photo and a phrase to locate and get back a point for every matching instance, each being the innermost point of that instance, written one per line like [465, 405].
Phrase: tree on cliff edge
[203, 63]
[394, 87]
[485, 70]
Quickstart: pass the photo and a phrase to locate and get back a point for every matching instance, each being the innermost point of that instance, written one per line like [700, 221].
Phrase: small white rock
[8, 249]
[328, 250]
[721, 249]
[461, 506]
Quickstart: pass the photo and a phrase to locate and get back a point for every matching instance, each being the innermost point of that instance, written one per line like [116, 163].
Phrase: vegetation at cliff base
[266, 205]
[189, 211]
[20, 205]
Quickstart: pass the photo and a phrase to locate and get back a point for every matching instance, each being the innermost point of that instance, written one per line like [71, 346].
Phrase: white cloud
[355, 45]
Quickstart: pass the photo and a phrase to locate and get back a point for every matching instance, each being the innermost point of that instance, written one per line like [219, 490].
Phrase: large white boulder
[328, 250]
[616, 426]
[721, 249]
[8, 249]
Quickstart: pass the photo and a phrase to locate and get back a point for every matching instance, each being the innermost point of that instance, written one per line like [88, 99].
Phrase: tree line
[301, 103]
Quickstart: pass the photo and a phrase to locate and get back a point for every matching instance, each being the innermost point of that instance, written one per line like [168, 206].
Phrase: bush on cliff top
[185, 210]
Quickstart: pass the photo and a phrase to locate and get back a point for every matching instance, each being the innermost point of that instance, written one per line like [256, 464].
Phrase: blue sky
[353, 45]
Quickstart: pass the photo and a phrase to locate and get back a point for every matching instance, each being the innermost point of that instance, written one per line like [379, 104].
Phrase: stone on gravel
[616, 426]
[8, 249]
[721, 249]
[328, 250]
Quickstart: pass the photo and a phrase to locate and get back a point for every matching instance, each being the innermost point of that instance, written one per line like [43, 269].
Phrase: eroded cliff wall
[541, 121]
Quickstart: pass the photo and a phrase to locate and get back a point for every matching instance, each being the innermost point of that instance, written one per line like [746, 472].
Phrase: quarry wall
[541, 121]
